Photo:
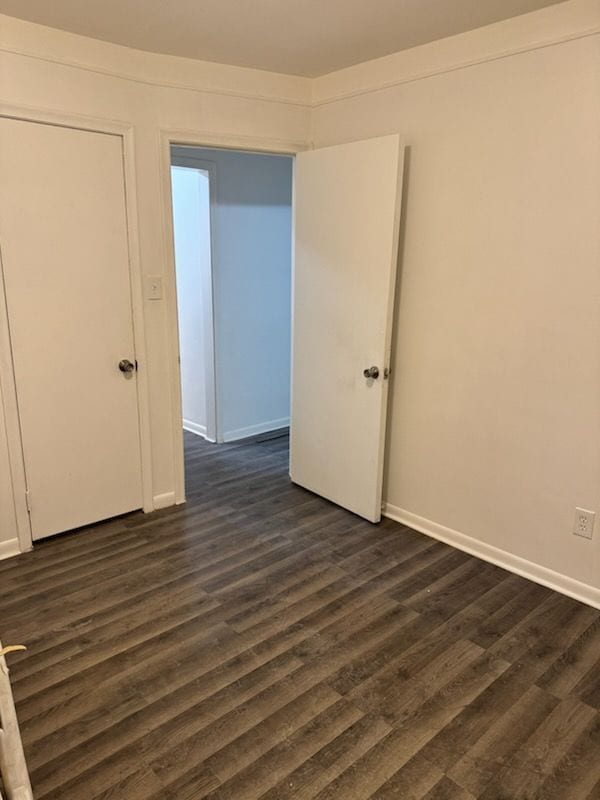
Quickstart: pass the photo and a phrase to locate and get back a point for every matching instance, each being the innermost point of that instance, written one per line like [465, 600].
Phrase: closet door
[65, 261]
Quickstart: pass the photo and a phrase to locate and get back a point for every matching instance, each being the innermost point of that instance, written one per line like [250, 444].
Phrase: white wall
[46, 69]
[252, 241]
[191, 229]
[495, 413]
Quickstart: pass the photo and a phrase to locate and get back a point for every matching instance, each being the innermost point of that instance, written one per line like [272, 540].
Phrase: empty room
[300, 400]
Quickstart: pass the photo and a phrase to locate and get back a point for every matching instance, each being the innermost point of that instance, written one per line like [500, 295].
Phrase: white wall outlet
[584, 523]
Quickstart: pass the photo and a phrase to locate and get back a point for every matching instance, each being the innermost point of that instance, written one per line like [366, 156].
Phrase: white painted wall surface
[495, 412]
[252, 245]
[191, 228]
[46, 69]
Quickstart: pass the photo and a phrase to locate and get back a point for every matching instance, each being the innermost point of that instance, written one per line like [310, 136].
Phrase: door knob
[126, 365]
[371, 372]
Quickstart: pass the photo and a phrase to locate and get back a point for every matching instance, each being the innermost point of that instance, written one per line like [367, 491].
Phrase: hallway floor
[260, 642]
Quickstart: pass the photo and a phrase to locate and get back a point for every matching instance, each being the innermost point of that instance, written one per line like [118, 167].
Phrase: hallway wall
[252, 255]
[191, 231]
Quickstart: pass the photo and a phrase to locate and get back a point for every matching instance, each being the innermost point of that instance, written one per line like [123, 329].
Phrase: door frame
[176, 137]
[213, 432]
[8, 390]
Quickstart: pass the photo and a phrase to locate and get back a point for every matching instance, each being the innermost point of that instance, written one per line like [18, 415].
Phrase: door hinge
[28, 500]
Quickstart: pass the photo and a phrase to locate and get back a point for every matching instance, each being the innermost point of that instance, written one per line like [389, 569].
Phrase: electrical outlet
[584, 523]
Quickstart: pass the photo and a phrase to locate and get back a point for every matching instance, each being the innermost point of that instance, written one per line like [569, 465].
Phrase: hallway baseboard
[255, 430]
[194, 427]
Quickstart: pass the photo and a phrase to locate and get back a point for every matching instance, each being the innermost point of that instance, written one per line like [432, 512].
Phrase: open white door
[347, 215]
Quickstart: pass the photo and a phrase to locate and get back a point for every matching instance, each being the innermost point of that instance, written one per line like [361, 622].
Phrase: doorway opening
[232, 226]
[346, 214]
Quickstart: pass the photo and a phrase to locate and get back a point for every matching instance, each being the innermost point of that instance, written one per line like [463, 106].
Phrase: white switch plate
[154, 289]
[584, 523]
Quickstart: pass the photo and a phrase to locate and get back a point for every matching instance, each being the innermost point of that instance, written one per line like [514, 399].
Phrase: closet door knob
[126, 365]
[371, 372]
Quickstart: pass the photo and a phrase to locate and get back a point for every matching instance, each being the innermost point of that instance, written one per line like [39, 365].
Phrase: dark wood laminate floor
[262, 643]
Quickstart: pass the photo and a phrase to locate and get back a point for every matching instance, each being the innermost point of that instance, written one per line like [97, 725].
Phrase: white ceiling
[301, 37]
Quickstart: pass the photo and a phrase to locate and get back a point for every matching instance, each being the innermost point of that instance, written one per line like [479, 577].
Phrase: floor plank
[260, 642]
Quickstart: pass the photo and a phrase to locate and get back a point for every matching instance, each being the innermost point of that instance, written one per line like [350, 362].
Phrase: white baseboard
[193, 427]
[9, 548]
[255, 430]
[502, 558]
[163, 500]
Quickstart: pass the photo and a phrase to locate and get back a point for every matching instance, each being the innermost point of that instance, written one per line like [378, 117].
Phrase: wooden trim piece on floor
[13, 767]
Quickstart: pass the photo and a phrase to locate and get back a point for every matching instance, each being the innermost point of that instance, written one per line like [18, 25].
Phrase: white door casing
[347, 214]
[65, 258]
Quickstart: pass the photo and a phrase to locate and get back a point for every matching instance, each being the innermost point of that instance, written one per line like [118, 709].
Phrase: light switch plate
[154, 289]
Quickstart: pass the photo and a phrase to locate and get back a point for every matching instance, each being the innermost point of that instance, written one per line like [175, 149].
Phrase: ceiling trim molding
[536, 31]
[553, 25]
[181, 85]
[423, 74]
[24, 39]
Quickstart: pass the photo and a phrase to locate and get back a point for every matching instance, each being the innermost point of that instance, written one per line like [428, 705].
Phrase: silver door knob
[126, 365]
[371, 372]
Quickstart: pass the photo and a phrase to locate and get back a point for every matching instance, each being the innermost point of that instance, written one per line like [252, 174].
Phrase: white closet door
[347, 212]
[65, 259]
